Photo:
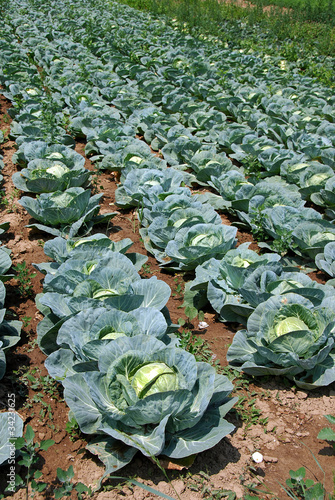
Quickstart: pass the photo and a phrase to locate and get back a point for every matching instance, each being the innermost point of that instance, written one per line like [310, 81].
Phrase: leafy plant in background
[92, 247]
[310, 238]
[194, 245]
[222, 282]
[326, 260]
[39, 151]
[10, 333]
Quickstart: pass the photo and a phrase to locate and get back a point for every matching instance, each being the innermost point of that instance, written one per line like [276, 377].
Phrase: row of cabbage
[53, 170]
[110, 341]
[31, 178]
[299, 242]
[191, 233]
[158, 399]
[184, 75]
[285, 135]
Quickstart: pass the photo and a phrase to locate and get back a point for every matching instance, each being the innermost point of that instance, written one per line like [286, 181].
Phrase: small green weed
[25, 321]
[95, 181]
[32, 344]
[24, 277]
[201, 484]
[146, 270]
[252, 168]
[3, 199]
[29, 451]
[179, 288]
[45, 412]
[282, 244]
[197, 346]
[72, 428]
[248, 412]
[299, 487]
[7, 201]
[134, 223]
[45, 383]
[67, 487]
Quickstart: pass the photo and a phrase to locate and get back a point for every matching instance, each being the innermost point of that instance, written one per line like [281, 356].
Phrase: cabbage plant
[222, 282]
[208, 163]
[326, 260]
[228, 184]
[194, 245]
[251, 200]
[288, 336]
[310, 238]
[65, 212]
[46, 176]
[151, 398]
[10, 334]
[326, 197]
[88, 248]
[147, 182]
[33, 150]
[10, 330]
[95, 327]
[313, 179]
[5, 263]
[165, 227]
[180, 199]
[110, 282]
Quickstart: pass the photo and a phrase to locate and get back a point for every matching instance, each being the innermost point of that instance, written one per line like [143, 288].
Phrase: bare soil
[246, 4]
[279, 421]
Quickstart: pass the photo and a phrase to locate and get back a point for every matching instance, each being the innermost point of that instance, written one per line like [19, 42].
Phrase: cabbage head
[287, 335]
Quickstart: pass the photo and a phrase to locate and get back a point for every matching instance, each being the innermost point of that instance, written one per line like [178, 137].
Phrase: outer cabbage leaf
[11, 426]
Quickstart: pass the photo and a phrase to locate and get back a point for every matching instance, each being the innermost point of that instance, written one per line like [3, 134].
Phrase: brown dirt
[245, 4]
[282, 425]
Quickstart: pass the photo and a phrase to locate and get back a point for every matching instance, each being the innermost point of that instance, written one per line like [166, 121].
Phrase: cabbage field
[167, 266]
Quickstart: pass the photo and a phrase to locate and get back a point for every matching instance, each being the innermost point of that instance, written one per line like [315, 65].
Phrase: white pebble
[257, 457]
[202, 325]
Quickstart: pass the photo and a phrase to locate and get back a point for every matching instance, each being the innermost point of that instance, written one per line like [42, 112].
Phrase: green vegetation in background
[311, 45]
[320, 11]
